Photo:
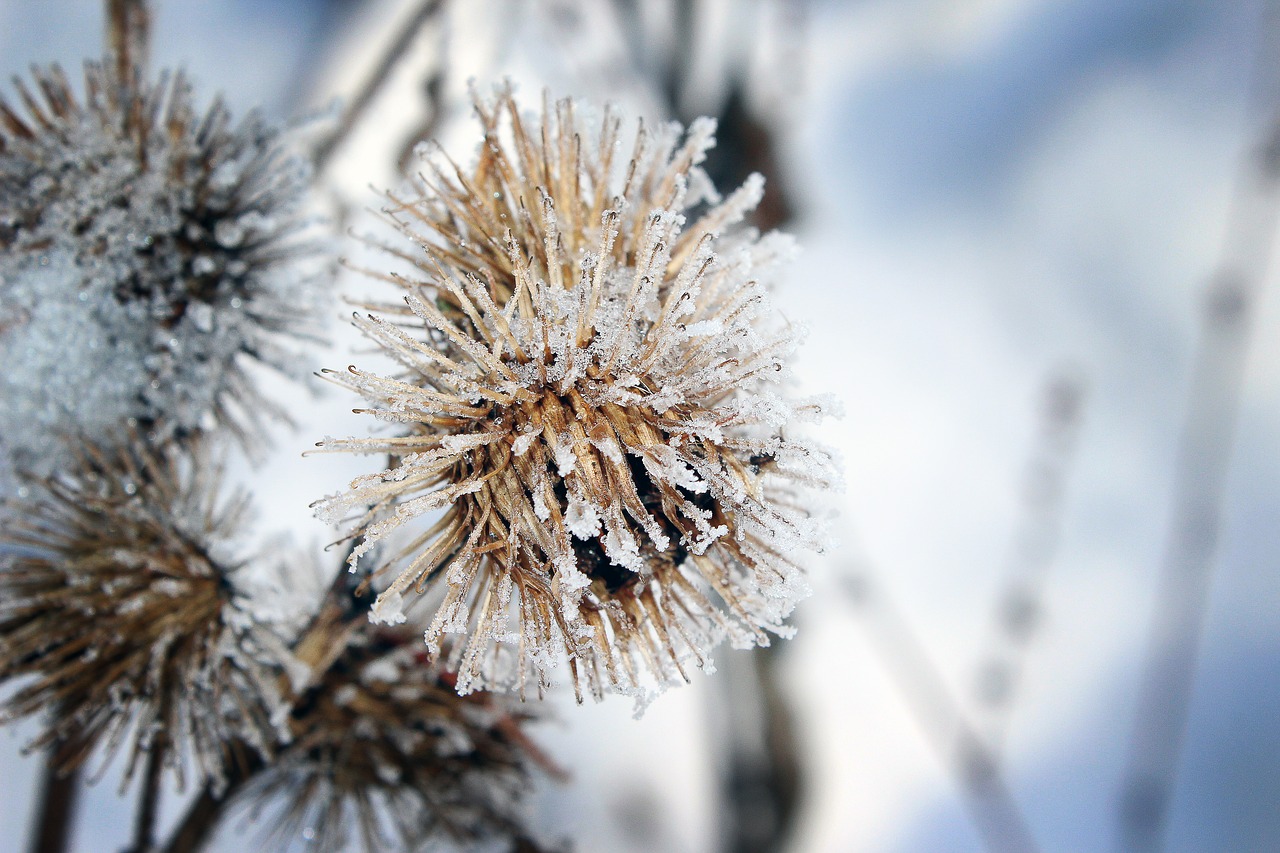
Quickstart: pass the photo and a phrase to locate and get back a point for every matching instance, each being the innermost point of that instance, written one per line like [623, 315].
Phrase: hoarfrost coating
[122, 624]
[588, 391]
[146, 252]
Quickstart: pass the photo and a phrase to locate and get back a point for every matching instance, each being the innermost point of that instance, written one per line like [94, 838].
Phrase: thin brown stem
[144, 826]
[201, 819]
[129, 35]
[56, 806]
[426, 11]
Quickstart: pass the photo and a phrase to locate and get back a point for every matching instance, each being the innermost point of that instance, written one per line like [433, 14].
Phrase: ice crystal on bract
[147, 251]
[120, 618]
[384, 754]
[589, 394]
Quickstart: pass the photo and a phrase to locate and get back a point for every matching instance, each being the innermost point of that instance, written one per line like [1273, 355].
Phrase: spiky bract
[384, 754]
[120, 622]
[147, 252]
[586, 395]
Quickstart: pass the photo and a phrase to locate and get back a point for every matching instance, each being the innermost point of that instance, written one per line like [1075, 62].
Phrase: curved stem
[425, 12]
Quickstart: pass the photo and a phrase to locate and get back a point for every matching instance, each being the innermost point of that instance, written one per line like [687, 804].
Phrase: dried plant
[148, 251]
[587, 390]
[385, 754]
[595, 461]
[119, 603]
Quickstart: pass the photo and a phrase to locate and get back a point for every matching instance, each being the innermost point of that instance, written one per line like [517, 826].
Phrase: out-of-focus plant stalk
[1203, 463]
[991, 806]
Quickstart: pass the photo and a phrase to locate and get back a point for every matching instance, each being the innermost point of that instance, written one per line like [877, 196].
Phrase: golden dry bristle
[383, 753]
[586, 395]
[121, 620]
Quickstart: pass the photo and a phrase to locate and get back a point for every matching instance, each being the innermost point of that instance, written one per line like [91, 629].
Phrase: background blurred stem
[999, 821]
[1202, 466]
[55, 806]
[195, 828]
[149, 797]
[400, 46]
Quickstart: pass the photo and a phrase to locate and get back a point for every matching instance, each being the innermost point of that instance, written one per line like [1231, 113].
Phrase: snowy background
[991, 193]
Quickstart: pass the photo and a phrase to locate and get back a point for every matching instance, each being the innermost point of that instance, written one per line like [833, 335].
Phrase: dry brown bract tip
[115, 605]
[589, 393]
[386, 755]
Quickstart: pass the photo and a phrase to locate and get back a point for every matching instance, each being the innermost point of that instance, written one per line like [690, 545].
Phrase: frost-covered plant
[147, 252]
[589, 391]
[119, 603]
[386, 755]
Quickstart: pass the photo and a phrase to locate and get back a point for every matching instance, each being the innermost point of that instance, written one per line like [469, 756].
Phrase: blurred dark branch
[149, 797]
[1019, 610]
[195, 828]
[676, 75]
[433, 89]
[427, 11]
[1201, 469]
[764, 776]
[765, 772]
[55, 805]
[996, 816]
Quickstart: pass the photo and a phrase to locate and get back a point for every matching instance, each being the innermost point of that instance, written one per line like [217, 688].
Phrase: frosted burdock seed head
[593, 439]
[386, 756]
[147, 252]
[124, 622]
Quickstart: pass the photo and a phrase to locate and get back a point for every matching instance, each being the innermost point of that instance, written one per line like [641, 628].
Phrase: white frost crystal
[146, 253]
[591, 393]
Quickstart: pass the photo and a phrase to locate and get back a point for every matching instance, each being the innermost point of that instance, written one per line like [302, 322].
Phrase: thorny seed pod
[119, 611]
[147, 253]
[586, 393]
[385, 754]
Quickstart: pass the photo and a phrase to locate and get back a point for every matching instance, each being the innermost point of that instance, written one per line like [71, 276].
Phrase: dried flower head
[587, 390]
[120, 611]
[147, 251]
[385, 754]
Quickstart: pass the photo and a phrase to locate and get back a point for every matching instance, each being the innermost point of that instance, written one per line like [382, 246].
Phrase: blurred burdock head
[147, 252]
[120, 621]
[384, 754]
[588, 391]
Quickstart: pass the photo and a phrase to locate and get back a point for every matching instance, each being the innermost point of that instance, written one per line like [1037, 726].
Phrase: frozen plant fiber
[120, 612]
[147, 252]
[384, 756]
[595, 465]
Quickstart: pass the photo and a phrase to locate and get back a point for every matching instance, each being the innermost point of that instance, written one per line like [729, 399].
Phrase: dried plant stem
[196, 827]
[129, 35]
[56, 805]
[1202, 466]
[149, 800]
[1204, 459]
[996, 816]
[413, 25]
[762, 789]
